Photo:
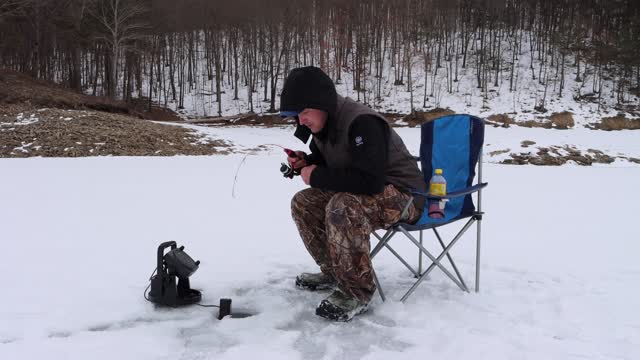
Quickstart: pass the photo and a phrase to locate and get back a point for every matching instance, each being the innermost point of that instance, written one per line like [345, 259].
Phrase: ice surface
[559, 271]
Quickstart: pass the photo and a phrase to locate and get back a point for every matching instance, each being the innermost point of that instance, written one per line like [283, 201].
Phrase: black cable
[148, 286]
[145, 292]
[203, 305]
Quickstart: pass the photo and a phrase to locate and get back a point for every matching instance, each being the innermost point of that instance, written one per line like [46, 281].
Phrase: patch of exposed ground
[562, 121]
[17, 88]
[418, 118]
[499, 152]
[559, 155]
[27, 132]
[499, 120]
[616, 123]
[39, 118]
[267, 120]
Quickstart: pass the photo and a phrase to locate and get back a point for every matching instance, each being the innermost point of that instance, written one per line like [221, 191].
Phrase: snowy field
[560, 269]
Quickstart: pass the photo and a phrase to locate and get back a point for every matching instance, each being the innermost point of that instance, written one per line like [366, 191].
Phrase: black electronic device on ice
[170, 286]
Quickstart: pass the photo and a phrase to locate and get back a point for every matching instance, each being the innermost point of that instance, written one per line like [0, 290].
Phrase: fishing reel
[287, 171]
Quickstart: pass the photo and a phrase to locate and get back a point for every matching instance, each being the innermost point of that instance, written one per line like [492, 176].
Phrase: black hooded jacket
[368, 150]
[310, 87]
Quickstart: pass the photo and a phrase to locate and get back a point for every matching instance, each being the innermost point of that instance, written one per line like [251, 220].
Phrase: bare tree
[256, 42]
[122, 24]
[11, 7]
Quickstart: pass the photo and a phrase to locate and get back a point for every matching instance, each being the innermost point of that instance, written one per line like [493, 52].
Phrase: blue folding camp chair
[452, 143]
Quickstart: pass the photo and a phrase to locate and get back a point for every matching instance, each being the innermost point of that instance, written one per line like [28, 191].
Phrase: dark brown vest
[402, 169]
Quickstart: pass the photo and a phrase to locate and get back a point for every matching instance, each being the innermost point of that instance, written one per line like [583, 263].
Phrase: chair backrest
[452, 143]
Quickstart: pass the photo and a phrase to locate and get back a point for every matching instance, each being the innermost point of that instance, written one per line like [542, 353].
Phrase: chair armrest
[452, 194]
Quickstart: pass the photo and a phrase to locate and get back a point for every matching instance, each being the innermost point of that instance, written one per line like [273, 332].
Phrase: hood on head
[307, 87]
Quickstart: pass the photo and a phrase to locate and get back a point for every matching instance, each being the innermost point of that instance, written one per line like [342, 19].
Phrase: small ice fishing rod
[285, 169]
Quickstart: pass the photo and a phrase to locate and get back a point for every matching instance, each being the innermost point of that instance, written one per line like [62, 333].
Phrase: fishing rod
[285, 169]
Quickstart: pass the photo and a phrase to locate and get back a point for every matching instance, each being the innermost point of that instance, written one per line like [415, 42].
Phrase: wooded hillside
[151, 48]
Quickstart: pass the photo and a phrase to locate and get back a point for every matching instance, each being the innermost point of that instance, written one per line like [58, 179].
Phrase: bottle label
[438, 189]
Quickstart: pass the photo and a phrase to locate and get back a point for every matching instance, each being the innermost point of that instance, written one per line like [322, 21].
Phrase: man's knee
[306, 200]
[296, 200]
[342, 207]
[297, 203]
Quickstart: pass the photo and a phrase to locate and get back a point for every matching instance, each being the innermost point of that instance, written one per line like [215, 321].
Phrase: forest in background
[157, 49]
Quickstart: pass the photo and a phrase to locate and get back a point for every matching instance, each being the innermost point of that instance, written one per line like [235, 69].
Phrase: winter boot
[313, 282]
[340, 307]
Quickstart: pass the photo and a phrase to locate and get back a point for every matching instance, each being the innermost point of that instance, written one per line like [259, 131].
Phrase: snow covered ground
[559, 279]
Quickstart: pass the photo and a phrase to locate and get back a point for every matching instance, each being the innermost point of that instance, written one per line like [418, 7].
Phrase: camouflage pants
[335, 228]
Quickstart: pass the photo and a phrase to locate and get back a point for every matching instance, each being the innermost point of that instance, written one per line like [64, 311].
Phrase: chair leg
[453, 264]
[377, 282]
[436, 261]
[406, 264]
[385, 243]
[420, 255]
[457, 279]
[478, 256]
